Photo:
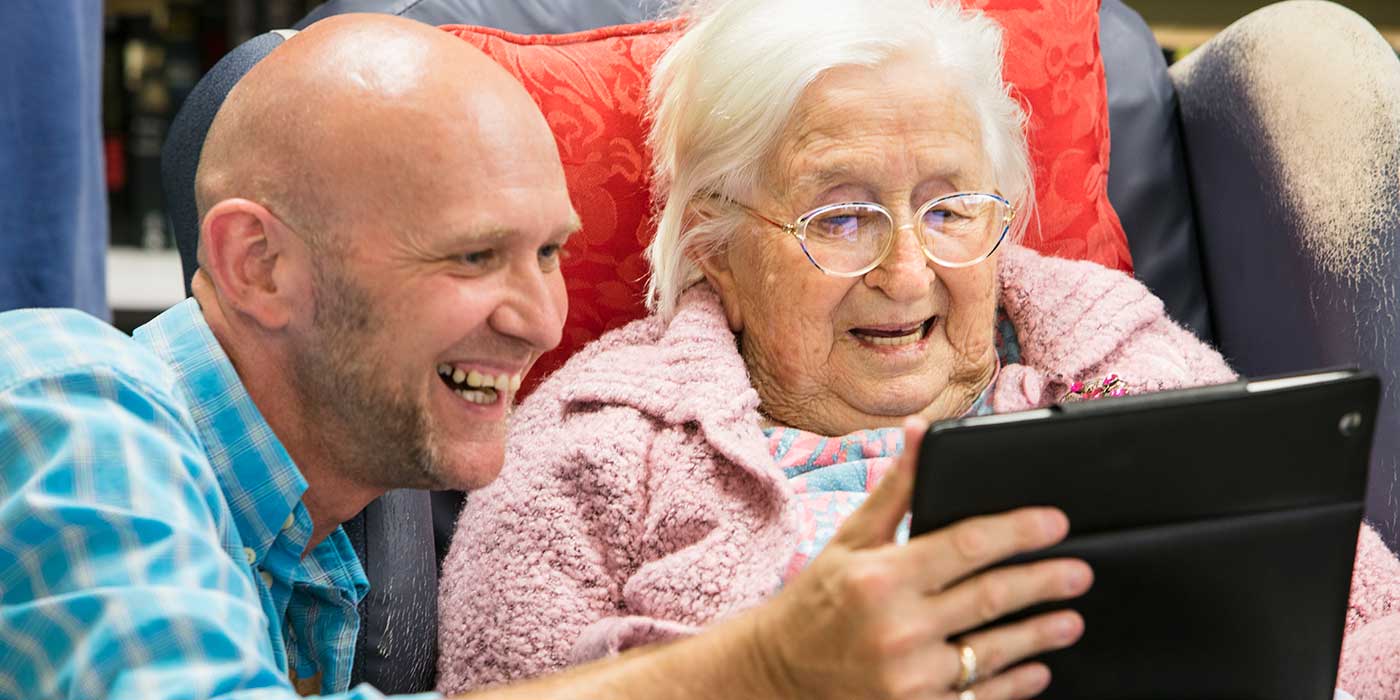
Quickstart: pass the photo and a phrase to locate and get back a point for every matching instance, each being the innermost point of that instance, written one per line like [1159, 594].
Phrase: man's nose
[534, 308]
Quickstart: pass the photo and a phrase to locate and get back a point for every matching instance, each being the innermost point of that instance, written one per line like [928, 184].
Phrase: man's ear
[245, 251]
[719, 272]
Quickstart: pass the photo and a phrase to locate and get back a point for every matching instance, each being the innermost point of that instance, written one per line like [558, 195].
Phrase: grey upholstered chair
[1258, 181]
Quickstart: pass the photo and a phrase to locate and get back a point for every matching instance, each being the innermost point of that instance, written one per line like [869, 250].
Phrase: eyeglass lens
[954, 230]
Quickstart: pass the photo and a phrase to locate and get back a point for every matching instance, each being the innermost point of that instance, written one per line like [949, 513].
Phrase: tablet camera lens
[1349, 424]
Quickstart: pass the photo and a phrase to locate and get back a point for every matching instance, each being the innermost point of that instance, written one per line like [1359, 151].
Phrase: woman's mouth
[894, 336]
[475, 386]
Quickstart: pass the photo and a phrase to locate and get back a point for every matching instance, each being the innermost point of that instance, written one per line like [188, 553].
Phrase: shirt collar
[982, 406]
[1008, 352]
[261, 483]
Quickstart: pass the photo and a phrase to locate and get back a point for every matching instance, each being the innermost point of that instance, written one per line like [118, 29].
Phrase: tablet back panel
[1221, 525]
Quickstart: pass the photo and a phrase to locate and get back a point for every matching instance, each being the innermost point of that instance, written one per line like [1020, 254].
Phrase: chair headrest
[179, 157]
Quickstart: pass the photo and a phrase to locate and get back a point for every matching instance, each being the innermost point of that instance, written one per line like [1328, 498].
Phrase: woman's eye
[938, 217]
[836, 226]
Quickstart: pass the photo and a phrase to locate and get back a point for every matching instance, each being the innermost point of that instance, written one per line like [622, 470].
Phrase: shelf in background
[1189, 23]
[143, 281]
[1188, 36]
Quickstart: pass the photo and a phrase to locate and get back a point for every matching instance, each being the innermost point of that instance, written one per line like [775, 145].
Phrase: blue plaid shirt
[151, 524]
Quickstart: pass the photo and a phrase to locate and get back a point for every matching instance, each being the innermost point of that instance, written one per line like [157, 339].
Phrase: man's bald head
[343, 121]
[378, 200]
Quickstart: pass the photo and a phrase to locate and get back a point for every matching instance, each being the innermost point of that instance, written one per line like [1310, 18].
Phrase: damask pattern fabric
[592, 86]
[1054, 66]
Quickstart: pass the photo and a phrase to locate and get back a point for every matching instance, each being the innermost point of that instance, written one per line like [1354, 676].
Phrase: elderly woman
[843, 184]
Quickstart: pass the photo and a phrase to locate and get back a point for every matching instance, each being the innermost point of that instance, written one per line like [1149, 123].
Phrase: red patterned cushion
[592, 86]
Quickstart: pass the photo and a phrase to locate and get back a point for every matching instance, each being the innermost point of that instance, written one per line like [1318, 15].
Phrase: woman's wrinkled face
[832, 354]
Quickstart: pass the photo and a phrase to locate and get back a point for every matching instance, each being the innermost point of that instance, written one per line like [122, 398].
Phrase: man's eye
[551, 255]
[479, 258]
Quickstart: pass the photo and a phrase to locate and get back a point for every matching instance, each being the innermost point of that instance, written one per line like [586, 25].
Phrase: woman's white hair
[723, 94]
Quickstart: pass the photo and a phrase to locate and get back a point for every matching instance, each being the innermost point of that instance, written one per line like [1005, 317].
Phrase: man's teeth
[469, 380]
[907, 339]
[481, 397]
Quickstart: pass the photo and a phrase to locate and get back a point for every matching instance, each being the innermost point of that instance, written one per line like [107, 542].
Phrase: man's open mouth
[475, 386]
[900, 335]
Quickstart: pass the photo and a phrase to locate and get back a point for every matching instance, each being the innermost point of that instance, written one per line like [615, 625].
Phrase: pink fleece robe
[639, 501]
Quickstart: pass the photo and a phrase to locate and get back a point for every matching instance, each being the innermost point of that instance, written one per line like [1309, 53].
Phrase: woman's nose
[906, 273]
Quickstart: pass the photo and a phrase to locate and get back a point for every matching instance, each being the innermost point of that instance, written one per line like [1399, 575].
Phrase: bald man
[382, 211]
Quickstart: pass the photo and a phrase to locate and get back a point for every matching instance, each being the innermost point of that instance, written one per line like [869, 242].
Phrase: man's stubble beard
[378, 436]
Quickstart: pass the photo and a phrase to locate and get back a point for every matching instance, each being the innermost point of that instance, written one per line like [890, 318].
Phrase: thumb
[875, 522]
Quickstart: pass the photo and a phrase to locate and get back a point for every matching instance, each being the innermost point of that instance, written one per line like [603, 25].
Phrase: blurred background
[154, 51]
[1182, 25]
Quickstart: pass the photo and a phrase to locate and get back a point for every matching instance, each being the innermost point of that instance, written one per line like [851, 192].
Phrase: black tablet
[1221, 524]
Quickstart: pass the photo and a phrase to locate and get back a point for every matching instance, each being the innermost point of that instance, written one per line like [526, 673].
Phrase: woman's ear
[714, 264]
[720, 274]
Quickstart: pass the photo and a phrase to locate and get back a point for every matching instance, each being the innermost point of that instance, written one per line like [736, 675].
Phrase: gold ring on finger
[967, 670]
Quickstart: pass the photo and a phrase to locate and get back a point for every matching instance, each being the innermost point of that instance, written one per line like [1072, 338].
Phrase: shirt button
[250, 554]
[267, 578]
[289, 522]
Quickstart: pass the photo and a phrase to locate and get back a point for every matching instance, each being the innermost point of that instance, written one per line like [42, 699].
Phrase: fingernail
[1068, 627]
[1038, 677]
[1078, 578]
[1054, 522]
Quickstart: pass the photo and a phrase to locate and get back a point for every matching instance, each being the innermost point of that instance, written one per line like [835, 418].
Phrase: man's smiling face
[437, 291]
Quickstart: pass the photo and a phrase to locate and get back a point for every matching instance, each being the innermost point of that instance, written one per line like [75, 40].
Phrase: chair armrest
[1291, 123]
[1147, 180]
[397, 646]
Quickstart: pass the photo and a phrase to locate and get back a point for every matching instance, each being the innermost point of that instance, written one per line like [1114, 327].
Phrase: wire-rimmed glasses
[850, 239]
